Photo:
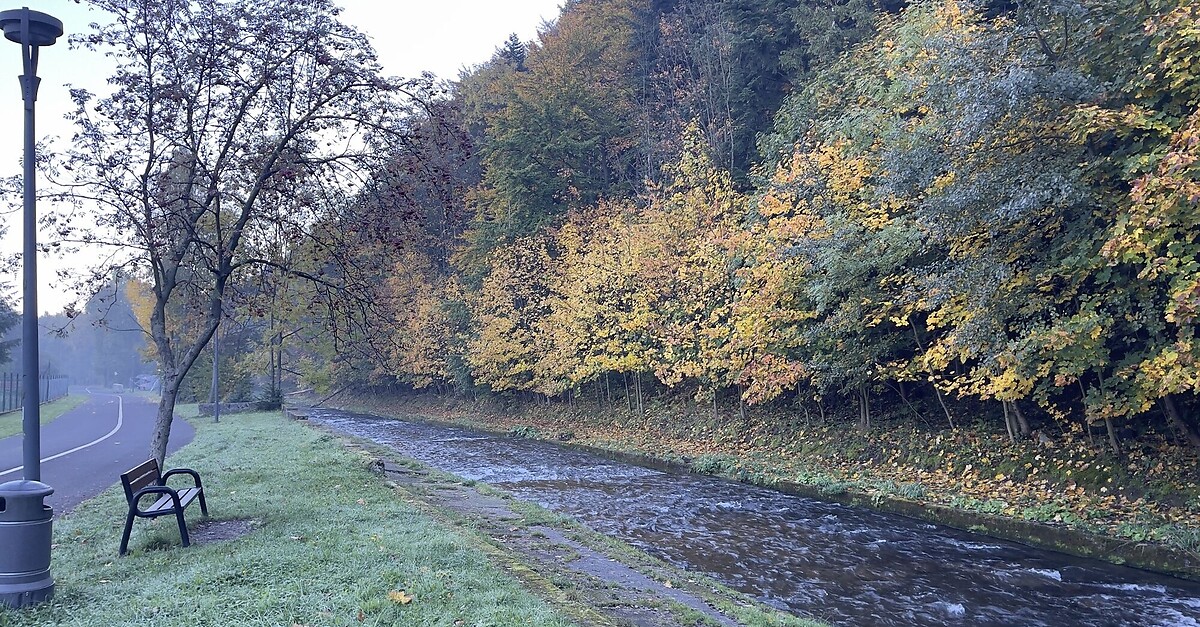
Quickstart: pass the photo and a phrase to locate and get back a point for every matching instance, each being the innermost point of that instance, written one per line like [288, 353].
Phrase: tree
[690, 271]
[8, 320]
[507, 310]
[729, 64]
[1148, 262]
[420, 321]
[562, 137]
[513, 52]
[600, 314]
[229, 120]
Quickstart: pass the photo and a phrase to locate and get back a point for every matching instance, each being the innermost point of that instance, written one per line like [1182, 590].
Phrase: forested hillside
[944, 211]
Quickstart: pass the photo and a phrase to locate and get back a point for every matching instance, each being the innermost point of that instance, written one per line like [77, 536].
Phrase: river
[845, 565]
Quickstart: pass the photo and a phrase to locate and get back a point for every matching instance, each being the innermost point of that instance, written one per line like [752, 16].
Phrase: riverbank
[1067, 495]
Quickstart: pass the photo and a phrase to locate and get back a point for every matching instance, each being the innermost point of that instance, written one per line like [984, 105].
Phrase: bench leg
[125, 536]
[203, 505]
[183, 535]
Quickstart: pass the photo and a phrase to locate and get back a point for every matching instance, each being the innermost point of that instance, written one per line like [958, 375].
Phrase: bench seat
[164, 504]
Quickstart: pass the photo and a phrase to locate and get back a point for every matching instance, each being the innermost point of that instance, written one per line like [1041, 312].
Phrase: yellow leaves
[950, 14]
[1184, 307]
[1009, 385]
[776, 204]
[826, 177]
[1173, 369]
[399, 597]
[1178, 47]
[845, 175]
[1088, 121]
[951, 18]
[942, 182]
[966, 245]
[141, 301]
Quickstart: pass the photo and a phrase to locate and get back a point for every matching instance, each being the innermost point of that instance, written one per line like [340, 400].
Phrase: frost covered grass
[329, 544]
[10, 423]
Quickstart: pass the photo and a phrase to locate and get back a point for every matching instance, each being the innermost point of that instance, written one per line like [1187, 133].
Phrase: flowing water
[842, 564]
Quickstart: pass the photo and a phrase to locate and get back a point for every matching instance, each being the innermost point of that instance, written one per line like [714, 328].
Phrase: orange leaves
[399, 597]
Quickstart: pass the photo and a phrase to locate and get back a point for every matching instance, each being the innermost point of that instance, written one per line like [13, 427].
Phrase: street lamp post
[25, 519]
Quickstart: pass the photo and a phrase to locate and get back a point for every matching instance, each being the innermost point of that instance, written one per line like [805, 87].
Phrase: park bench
[145, 479]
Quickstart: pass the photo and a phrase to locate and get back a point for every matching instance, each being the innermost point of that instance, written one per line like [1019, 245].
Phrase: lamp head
[44, 30]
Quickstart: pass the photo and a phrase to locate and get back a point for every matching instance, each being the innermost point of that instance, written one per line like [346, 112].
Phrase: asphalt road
[86, 449]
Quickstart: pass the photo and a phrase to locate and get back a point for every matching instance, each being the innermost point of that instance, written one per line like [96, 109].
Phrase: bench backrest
[140, 476]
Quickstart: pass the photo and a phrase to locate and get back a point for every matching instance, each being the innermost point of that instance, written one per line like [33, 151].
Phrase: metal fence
[12, 393]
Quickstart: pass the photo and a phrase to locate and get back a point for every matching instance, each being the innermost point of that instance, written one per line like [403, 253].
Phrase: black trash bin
[25, 525]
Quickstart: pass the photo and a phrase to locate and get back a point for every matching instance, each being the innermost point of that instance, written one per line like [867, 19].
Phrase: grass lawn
[10, 423]
[330, 545]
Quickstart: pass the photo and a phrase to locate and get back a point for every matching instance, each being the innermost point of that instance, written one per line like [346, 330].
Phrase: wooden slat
[140, 476]
[186, 496]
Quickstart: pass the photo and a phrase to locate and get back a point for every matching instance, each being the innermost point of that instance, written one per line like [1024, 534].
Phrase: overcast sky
[411, 36]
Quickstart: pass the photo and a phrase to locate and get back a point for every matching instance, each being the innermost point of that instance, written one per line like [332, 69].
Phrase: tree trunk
[864, 408]
[1021, 422]
[1176, 420]
[277, 383]
[628, 398]
[946, 410]
[166, 414]
[909, 405]
[1008, 422]
[276, 364]
[637, 386]
[214, 393]
[741, 403]
[1087, 422]
[936, 391]
[1112, 436]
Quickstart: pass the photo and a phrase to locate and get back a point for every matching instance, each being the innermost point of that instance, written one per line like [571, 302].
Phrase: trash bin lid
[25, 489]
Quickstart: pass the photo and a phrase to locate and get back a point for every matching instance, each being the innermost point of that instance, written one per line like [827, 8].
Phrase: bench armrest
[181, 471]
[154, 489]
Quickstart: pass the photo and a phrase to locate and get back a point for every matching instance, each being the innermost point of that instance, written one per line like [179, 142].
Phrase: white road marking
[120, 422]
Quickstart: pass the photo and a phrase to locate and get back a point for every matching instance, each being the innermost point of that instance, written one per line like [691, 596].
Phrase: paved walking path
[86, 449]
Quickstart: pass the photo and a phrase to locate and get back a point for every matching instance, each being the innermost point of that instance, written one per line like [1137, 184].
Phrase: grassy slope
[329, 545]
[10, 423]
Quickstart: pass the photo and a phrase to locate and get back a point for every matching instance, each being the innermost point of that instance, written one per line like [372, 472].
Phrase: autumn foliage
[961, 211]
